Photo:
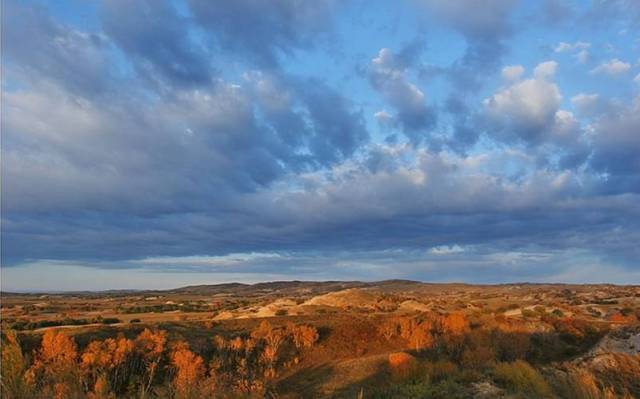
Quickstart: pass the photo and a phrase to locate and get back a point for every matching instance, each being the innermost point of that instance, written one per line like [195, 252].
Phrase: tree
[55, 369]
[304, 336]
[13, 384]
[108, 362]
[150, 345]
[273, 339]
[455, 324]
[189, 372]
[421, 337]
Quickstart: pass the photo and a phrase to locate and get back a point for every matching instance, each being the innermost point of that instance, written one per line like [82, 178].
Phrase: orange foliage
[101, 358]
[455, 324]
[55, 366]
[151, 345]
[417, 333]
[619, 318]
[13, 384]
[304, 336]
[189, 371]
[401, 364]
[57, 349]
[101, 389]
[273, 339]
[103, 355]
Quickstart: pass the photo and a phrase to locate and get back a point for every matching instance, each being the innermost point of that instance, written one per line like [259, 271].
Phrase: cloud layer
[238, 139]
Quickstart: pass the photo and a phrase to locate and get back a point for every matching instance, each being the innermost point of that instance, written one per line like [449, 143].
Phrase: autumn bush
[402, 364]
[440, 369]
[14, 385]
[304, 336]
[583, 384]
[106, 365]
[621, 371]
[435, 355]
[54, 371]
[189, 380]
[521, 378]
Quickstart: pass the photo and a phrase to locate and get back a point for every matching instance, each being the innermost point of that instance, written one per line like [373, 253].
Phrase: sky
[158, 143]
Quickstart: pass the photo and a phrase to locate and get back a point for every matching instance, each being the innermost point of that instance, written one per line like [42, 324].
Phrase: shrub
[622, 373]
[303, 336]
[582, 384]
[441, 369]
[402, 364]
[418, 389]
[521, 378]
[477, 358]
[55, 368]
[12, 383]
[189, 372]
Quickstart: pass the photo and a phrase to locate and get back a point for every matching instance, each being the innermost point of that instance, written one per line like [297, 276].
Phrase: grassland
[386, 339]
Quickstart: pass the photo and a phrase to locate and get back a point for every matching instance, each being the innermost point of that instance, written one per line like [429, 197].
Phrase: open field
[329, 339]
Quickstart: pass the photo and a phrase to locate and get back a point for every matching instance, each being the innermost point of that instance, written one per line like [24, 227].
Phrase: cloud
[351, 211]
[476, 22]
[564, 47]
[388, 75]
[512, 72]
[621, 12]
[528, 112]
[579, 50]
[40, 50]
[88, 154]
[617, 148]
[526, 109]
[158, 41]
[486, 29]
[582, 56]
[588, 104]
[385, 119]
[223, 140]
[556, 12]
[263, 32]
[612, 67]
[545, 70]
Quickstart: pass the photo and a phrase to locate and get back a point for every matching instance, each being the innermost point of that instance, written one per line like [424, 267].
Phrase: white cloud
[545, 70]
[526, 108]
[637, 79]
[384, 118]
[612, 67]
[446, 250]
[564, 47]
[390, 77]
[512, 73]
[528, 111]
[582, 56]
[585, 103]
[204, 260]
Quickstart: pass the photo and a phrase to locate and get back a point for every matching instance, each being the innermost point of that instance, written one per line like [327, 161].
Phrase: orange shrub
[150, 345]
[401, 364]
[189, 372]
[304, 336]
[14, 365]
[455, 324]
[54, 370]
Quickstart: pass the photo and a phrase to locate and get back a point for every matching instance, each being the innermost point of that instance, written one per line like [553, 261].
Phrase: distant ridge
[285, 286]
